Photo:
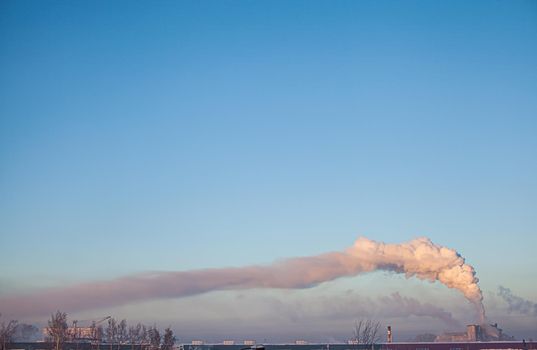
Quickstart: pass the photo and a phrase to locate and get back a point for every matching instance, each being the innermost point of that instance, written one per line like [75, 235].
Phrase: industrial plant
[476, 332]
[476, 337]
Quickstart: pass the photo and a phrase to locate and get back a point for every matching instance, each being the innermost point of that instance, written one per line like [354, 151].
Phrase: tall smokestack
[473, 332]
[389, 336]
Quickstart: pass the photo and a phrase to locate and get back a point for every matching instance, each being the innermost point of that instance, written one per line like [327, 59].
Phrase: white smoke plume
[423, 259]
[419, 258]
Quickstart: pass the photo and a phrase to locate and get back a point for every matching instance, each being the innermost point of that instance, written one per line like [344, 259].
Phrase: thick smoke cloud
[516, 303]
[423, 259]
[419, 258]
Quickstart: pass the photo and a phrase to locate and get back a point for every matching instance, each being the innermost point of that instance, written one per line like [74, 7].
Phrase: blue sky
[182, 135]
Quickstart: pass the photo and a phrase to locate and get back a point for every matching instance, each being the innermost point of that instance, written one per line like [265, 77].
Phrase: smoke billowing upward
[419, 258]
[516, 303]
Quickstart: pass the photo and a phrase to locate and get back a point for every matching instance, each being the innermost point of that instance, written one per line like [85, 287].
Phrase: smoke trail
[517, 303]
[420, 258]
[410, 306]
[349, 305]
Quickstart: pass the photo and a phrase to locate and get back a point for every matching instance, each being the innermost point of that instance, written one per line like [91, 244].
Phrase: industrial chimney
[473, 332]
[389, 337]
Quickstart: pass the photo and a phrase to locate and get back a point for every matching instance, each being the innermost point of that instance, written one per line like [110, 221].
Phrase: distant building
[301, 342]
[229, 342]
[74, 333]
[197, 342]
[249, 342]
[476, 332]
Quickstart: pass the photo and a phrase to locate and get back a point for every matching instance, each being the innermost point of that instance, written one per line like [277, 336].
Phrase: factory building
[475, 332]
[73, 333]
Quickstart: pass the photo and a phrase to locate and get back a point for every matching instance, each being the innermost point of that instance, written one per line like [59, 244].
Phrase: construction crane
[95, 323]
[102, 320]
[75, 332]
[91, 320]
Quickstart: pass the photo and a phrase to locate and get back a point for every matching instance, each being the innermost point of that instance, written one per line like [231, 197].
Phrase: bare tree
[57, 329]
[169, 339]
[111, 332]
[134, 335]
[154, 337]
[122, 332]
[74, 332]
[366, 332]
[97, 332]
[6, 332]
[144, 336]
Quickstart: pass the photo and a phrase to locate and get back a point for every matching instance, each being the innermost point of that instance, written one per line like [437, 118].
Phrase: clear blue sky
[170, 135]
